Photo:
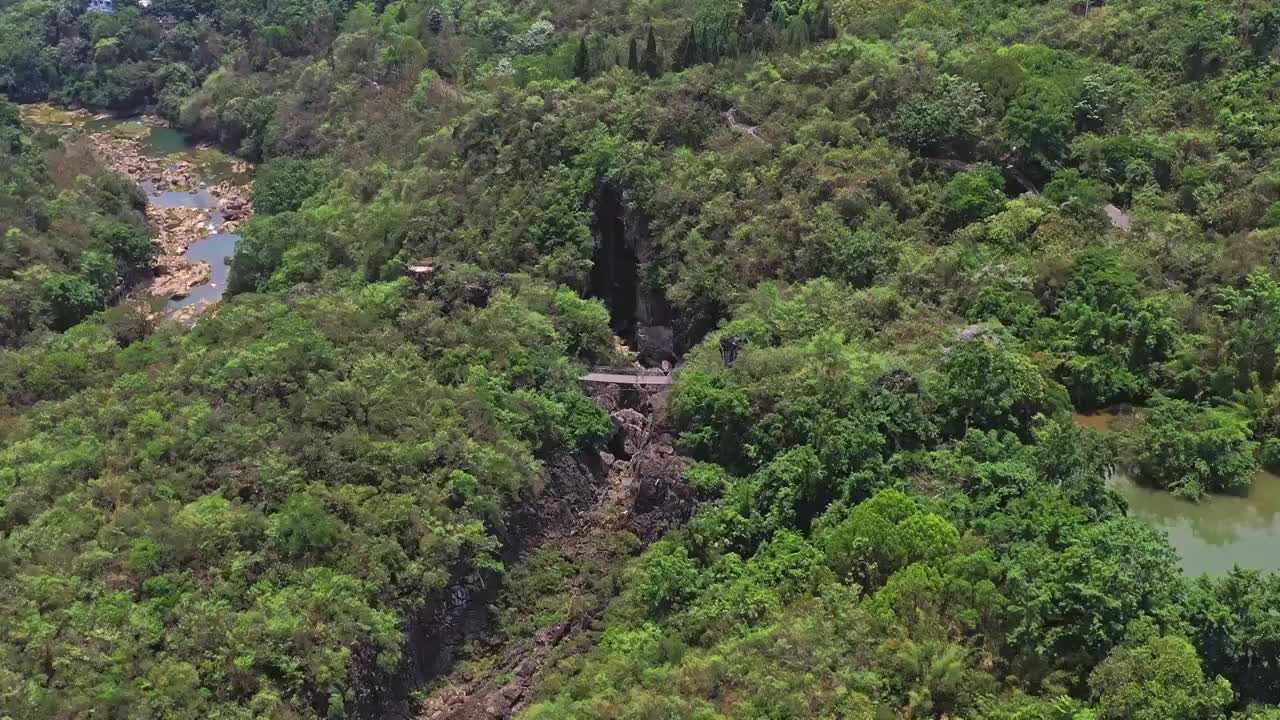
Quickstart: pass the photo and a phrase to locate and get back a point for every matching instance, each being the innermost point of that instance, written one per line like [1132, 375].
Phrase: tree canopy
[931, 230]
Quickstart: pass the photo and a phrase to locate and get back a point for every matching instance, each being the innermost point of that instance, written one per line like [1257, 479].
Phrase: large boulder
[630, 433]
[662, 499]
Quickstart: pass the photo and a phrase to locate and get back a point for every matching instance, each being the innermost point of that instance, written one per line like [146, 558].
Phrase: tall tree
[822, 27]
[1157, 678]
[650, 62]
[582, 61]
[633, 58]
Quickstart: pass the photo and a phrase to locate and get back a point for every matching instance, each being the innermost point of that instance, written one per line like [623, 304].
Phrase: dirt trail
[731, 117]
[1117, 217]
[645, 494]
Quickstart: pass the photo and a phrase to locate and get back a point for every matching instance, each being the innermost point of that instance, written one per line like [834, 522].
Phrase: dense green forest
[935, 229]
[71, 232]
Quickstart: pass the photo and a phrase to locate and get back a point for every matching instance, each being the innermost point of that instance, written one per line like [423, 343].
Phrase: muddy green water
[166, 141]
[1217, 533]
[1214, 535]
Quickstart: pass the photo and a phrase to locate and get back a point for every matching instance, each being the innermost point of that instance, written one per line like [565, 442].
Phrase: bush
[989, 386]
[1269, 455]
[1192, 450]
[973, 195]
[71, 298]
[283, 185]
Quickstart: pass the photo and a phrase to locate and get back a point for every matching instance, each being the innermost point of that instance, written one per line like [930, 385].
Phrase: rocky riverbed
[188, 201]
[183, 208]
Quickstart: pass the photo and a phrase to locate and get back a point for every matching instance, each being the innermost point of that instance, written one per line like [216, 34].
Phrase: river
[1215, 534]
[197, 197]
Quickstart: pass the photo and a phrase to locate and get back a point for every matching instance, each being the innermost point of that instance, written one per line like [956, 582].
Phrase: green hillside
[936, 230]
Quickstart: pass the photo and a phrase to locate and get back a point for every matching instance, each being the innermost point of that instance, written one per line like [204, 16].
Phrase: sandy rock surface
[177, 279]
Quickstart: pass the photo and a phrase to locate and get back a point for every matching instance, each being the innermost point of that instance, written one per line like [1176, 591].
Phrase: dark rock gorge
[436, 634]
[639, 312]
[636, 484]
[639, 471]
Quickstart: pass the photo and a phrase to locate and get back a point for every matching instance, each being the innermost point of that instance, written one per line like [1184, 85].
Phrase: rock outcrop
[646, 474]
[624, 248]
[175, 281]
[233, 201]
[572, 486]
[644, 492]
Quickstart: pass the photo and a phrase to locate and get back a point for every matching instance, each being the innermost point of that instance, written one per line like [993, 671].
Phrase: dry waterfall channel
[197, 199]
[635, 488]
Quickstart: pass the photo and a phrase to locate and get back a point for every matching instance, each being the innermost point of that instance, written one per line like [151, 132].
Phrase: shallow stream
[217, 248]
[171, 146]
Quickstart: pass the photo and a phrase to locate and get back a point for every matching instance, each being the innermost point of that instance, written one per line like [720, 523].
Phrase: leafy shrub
[1193, 450]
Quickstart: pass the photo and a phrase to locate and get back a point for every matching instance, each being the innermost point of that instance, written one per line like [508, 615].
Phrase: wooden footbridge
[627, 376]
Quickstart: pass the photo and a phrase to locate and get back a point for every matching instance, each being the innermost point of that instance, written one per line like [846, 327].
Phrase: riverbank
[194, 195]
